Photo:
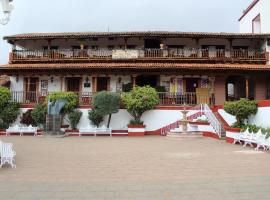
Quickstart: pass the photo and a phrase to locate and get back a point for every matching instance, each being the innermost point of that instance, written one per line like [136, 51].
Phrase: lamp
[87, 79]
[7, 7]
[52, 79]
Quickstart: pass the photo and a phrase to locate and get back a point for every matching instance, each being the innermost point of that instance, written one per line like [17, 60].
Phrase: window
[256, 24]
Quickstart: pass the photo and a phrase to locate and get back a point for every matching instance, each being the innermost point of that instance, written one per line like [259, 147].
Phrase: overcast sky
[121, 15]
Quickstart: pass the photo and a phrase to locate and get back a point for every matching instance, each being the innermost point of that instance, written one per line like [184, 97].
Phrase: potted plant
[74, 118]
[138, 101]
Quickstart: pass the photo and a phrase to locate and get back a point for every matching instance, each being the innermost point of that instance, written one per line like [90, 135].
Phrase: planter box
[200, 123]
[230, 129]
[136, 130]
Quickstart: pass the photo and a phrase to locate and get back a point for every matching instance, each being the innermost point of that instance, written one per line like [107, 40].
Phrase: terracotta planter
[72, 131]
[200, 123]
[136, 130]
[230, 129]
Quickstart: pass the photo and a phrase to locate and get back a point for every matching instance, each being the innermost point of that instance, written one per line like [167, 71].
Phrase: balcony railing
[184, 54]
[85, 98]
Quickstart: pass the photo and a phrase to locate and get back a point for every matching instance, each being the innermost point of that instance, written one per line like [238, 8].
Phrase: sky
[121, 15]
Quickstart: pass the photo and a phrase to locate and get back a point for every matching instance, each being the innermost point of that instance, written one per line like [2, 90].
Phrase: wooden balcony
[182, 55]
[85, 98]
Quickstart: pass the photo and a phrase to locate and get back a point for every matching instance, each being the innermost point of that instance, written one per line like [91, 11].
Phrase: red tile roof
[137, 65]
[26, 36]
[248, 9]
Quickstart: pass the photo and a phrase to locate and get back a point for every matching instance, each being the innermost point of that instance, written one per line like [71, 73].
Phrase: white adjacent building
[256, 18]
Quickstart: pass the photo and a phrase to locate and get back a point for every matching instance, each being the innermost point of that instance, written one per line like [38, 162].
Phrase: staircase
[222, 123]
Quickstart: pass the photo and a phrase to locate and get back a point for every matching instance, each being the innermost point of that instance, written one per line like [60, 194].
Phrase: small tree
[9, 110]
[241, 109]
[106, 103]
[95, 117]
[140, 100]
[39, 114]
[74, 118]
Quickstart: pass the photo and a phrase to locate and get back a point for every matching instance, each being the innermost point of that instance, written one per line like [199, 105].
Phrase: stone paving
[122, 168]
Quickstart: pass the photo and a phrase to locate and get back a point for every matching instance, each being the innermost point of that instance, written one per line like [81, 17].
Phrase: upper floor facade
[256, 18]
[139, 46]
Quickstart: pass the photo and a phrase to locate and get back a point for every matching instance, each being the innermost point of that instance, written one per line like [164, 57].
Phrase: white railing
[212, 119]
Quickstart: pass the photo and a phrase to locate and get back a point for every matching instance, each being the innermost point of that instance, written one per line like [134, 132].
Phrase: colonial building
[256, 18]
[192, 67]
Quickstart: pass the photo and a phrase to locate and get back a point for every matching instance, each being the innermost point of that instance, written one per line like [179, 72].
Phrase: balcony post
[94, 83]
[133, 80]
[212, 89]
[247, 86]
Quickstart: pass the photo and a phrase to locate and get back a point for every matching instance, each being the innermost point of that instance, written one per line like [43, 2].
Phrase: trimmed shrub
[106, 103]
[140, 100]
[74, 118]
[241, 109]
[95, 117]
[9, 114]
[5, 96]
[39, 114]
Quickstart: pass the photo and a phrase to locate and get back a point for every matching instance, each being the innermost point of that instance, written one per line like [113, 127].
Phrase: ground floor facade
[173, 89]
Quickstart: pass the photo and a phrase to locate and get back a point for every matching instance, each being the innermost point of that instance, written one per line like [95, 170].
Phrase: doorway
[31, 88]
[192, 84]
[151, 44]
[103, 84]
[73, 84]
[144, 80]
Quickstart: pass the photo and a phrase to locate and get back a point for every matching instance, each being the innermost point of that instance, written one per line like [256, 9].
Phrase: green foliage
[127, 87]
[9, 114]
[27, 118]
[140, 100]
[106, 103]
[5, 96]
[71, 97]
[136, 122]
[160, 89]
[9, 110]
[95, 117]
[241, 109]
[74, 118]
[39, 114]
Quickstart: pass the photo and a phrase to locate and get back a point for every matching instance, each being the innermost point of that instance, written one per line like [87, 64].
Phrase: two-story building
[192, 67]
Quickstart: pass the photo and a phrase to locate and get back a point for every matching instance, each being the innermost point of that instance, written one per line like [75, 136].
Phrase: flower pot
[136, 130]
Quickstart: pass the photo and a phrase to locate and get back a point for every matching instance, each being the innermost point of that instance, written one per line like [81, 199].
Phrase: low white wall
[230, 119]
[154, 119]
[260, 119]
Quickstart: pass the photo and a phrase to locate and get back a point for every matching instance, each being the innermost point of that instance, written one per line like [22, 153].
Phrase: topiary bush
[95, 117]
[71, 98]
[9, 110]
[39, 114]
[74, 118]
[106, 103]
[140, 100]
[241, 109]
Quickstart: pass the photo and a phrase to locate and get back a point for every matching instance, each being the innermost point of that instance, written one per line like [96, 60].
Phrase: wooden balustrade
[184, 54]
[85, 98]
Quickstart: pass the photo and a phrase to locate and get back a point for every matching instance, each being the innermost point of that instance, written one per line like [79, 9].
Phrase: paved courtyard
[119, 168]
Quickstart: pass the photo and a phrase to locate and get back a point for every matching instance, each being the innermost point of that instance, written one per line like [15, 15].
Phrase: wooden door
[73, 84]
[103, 84]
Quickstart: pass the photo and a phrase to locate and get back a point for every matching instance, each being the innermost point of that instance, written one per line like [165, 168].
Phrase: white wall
[154, 119]
[262, 8]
